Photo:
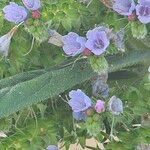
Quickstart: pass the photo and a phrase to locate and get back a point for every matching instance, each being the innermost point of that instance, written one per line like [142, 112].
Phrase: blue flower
[98, 40]
[73, 44]
[80, 104]
[124, 7]
[32, 4]
[143, 11]
[15, 13]
[79, 101]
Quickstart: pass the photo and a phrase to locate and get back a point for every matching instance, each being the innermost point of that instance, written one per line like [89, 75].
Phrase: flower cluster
[82, 105]
[16, 13]
[96, 42]
[130, 9]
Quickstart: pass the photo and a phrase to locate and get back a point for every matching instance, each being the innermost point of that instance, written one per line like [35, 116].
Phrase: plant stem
[112, 125]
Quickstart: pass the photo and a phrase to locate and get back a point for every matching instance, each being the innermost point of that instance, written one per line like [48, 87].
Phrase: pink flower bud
[36, 14]
[132, 17]
[87, 52]
[100, 106]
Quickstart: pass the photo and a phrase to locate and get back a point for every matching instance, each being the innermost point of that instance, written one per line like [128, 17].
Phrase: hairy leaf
[27, 90]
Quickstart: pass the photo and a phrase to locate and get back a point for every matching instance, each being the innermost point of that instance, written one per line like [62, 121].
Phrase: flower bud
[115, 105]
[132, 17]
[87, 52]
[100, 106]
[99, 85]
[36, 14]
[5, 41]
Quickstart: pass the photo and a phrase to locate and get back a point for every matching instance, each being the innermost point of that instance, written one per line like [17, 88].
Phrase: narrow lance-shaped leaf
[28, 91]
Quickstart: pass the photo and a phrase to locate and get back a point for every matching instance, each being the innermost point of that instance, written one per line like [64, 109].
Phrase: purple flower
[100, 106]
[15, 13]
[52, 147]
[79, 101]
[115, 105]
[73, 44]
[124, 7]
[97, 41]
[143, 11]
[32, 4]
[79, 115]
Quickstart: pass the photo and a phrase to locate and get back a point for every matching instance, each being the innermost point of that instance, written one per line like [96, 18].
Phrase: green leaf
[139, 30]
[66, 23]
[32, 136]
[43, 87]
[82, 141]
[26, 90]
[98, 64]
[21, 77]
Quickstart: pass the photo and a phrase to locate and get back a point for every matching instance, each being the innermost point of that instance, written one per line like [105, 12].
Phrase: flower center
[77, 45]
[99, 43]
[144, 11]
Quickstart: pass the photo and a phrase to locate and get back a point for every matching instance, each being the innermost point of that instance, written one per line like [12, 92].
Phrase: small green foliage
[33, 136]
[93, 125]
[98, 64]
[38, 29]
[139, 30]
